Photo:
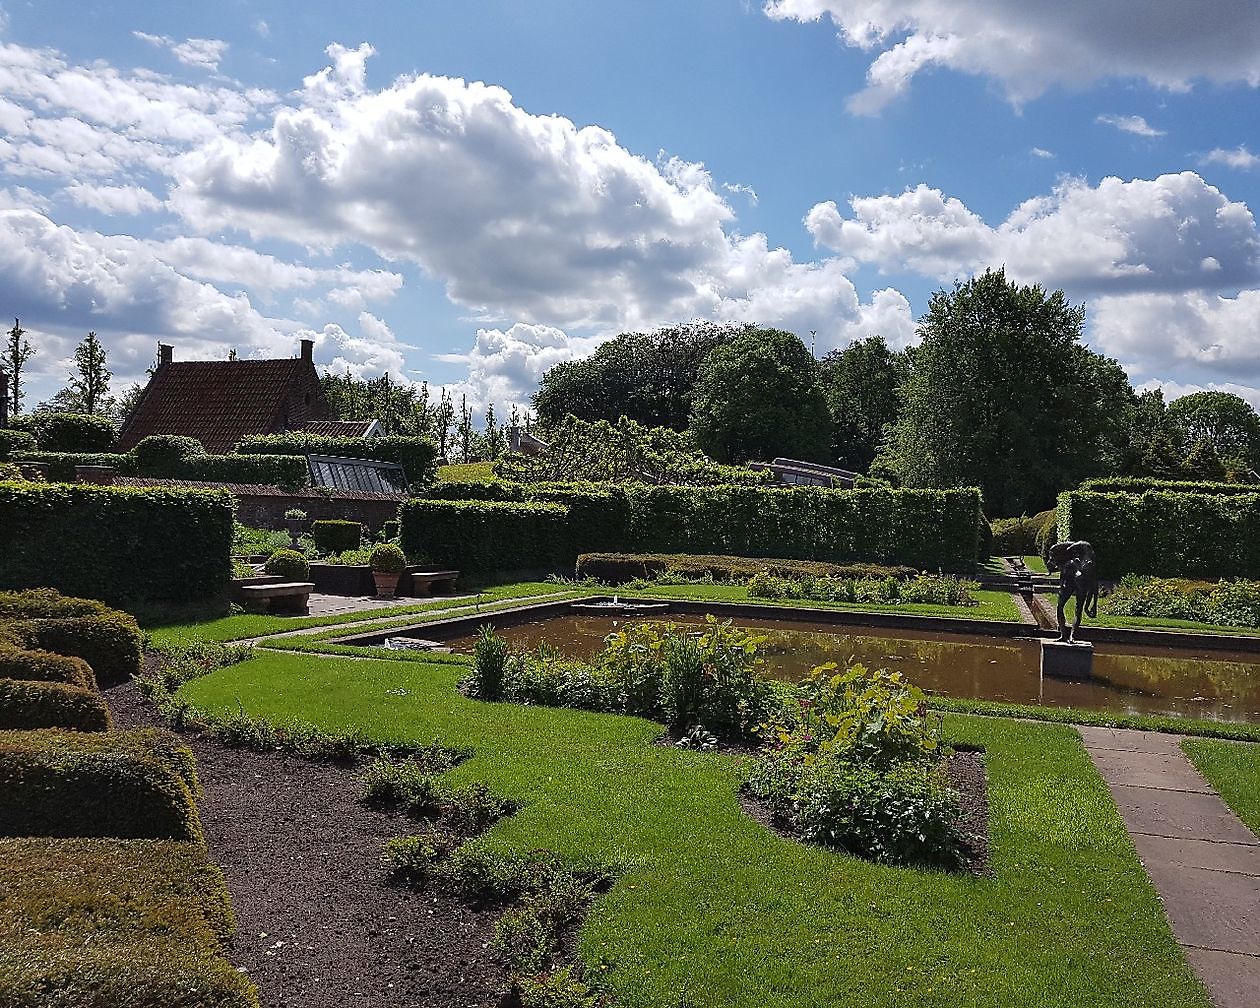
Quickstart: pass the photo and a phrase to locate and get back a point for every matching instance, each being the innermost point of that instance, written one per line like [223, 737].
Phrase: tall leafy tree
[757, 397]
[1225, 422]
[860, 386]
[648, 377]
[87, 388]
[17, 351]
[1003, 395]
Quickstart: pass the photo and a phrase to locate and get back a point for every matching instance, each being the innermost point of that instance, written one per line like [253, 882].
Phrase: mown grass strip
[1234, 770]
[714, 905]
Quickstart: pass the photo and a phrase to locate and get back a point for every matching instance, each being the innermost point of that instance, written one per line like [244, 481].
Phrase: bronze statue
[1078, 578]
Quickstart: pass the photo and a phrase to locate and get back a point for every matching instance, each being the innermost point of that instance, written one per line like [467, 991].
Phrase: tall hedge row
[480, 536]
[284, 471]
[1168, 534]
[417, 455]
[1143, 484]
[123, 545]
[929, 529]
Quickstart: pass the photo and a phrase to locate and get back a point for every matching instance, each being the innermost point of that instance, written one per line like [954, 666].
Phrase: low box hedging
[417, 455]
[12, 441]
[336, 536]
[123, 923]
[1167, 534]
[138, 784]
[124, 545]
[26, 704]
[618, 568]
[1143, 484]
[44, 666]
[481, 536]
[42, 619]
[926, 529]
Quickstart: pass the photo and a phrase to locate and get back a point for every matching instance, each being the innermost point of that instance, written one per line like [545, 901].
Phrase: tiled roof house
[220, 402]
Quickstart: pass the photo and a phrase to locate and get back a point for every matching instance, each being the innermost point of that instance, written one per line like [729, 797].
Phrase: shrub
[44, 666]
[921, 589]
[1018, 536]
[283, 471]
[1166, 534]
[15, 441]
[125, 545]
[288, 564]
[542, 677]
[411, 784]
[470, 810]
[412, 858]
[26, 704]
[1229, 603]
[119, 784]
[1142, 484]
[110, 643]
[68, 432]
[60, 466]
[858, 763]
[417, 455]
[618, 568]
[387, 559]
[390, 530]
[163, 454]
[248, 541]
[135, 923]
[489, 662]
[34, 603]
[336, 536]
[10, 471]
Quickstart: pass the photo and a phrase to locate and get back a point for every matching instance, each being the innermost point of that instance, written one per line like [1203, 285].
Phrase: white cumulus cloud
[1239, 158]
[195, 52]
[1135, 124]
[1028, 46]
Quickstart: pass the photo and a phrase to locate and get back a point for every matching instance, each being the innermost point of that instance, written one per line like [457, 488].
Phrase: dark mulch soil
[317, 925]
[966, 775]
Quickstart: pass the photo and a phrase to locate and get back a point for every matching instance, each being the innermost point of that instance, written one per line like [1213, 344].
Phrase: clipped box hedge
[926, 529]
[618, 568]
[1192, 535]
[137, 784]
[283, 471]
[26, 704]
[1144, 484]
[42, 619]
[118, 923]
[336, 536]
[121, 544]
[45, 666]
[417, 455]
[481, 536]
[15, 441]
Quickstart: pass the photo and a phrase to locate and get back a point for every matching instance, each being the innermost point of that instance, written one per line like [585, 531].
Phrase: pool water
[1219, 685]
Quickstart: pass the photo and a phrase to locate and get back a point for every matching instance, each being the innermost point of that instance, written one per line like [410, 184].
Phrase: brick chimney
[166, 354]
[308, 351]
[4, 398]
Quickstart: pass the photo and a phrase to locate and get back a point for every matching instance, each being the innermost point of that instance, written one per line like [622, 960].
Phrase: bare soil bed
[317, 924]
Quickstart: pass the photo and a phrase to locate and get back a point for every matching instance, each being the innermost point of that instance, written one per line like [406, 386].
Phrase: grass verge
[1234, 770]
[713, 907]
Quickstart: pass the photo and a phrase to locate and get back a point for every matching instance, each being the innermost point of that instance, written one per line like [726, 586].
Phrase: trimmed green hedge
[417, 455]
[1168, 534]
[138, 784]
[44, 666]
[25, 704]
[68, 432]
[283, 471]
[481, 536]
[124, 545]
[618, 568]
[336, 536]
[118, 923]
[1143, 484]
[12, 441]
[42, 619]
[927, 529]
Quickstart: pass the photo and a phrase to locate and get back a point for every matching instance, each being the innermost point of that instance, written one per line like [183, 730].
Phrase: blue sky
[247, 174]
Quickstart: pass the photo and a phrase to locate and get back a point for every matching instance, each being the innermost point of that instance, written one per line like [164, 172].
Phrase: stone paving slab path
[1202, 859]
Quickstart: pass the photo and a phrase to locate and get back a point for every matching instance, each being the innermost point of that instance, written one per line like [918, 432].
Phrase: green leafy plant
[288, 564]
[387, 559]
[489, 665]
[295, 514]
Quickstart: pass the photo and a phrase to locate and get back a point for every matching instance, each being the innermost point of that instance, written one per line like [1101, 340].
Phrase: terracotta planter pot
[386, 584]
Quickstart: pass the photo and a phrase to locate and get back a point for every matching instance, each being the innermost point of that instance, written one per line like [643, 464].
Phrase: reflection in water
[1219, 685]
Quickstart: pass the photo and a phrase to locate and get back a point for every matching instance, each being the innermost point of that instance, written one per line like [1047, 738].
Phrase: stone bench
[418, 583]
[285, 597]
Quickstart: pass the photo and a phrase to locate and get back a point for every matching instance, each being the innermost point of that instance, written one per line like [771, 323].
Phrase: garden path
[1204, 862]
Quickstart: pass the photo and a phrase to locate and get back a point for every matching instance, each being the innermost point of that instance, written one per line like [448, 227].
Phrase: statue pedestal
[1067, 660]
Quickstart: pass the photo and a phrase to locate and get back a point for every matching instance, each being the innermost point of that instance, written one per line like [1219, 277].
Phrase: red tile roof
[220, 402]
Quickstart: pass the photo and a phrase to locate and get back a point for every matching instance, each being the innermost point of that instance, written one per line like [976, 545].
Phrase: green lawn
[247, 625]
[994, 605]
[1036, 564]
[471, 472]
[717, 907]
[1232, 768]
[1149, 622]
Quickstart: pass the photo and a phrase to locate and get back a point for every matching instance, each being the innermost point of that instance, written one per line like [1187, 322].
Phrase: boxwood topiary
[117, 784]
[27, 704]
[387, 559]
[112, 643]
[44, 666]
[288, 564]
[336, 536]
